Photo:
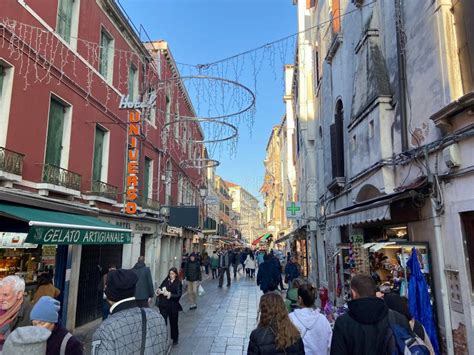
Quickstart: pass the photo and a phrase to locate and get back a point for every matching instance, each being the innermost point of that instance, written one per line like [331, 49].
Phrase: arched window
[337, 142]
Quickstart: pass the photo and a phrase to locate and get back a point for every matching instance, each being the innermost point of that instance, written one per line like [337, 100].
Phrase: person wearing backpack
[45, 314]
[400, 304]
[363, 329]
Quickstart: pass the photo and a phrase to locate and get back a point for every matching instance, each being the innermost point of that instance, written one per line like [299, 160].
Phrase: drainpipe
[402, 75]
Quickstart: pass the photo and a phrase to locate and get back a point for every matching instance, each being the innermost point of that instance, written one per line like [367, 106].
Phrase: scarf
[7, 317]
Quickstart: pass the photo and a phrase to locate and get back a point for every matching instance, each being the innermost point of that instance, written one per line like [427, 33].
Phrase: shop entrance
[89, 299]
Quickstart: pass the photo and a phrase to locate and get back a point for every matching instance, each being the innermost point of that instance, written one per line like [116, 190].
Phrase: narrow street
[223, 320]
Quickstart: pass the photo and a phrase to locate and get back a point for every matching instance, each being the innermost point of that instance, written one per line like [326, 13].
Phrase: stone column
[76, 252]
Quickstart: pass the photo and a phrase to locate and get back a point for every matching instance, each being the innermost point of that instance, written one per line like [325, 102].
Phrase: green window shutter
[54, 144]
[104, 54]
[131, 83]
[146, 187]
[98, 154]
[2, 75]
[65, 19]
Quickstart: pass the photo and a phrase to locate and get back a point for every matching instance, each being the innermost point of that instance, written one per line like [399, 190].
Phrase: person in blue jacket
[291, 270]
[268, 277]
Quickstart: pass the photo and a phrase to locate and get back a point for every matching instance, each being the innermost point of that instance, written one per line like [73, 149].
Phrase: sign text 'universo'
[132, 165]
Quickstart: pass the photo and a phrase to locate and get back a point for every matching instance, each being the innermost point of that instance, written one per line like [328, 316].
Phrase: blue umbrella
[419, 299]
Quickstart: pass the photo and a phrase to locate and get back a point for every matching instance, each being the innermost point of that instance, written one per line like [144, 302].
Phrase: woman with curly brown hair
[275, 333]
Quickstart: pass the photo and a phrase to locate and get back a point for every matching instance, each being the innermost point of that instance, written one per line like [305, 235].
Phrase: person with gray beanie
[129, 329]
[45, 314]
[29, 340]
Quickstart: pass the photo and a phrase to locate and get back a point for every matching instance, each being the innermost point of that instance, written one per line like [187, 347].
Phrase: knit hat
[29, 340]
[46, 310]
[120, 284]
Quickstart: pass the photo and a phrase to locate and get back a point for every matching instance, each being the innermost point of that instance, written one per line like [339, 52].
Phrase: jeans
[221, 276]
[251, 272]
[214, 273]
[143, 303]
[193, 290]
[235, 266]
[206, 267]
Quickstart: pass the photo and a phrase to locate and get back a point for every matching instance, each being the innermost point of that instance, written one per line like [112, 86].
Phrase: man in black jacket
[363, 329]
[192, 272]
[144, 289]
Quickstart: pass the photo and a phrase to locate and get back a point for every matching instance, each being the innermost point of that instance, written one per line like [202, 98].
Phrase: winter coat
[73, 347]
[224, 260]
[262, 342]
[362, 329]
[45, 290]
[259, 258]
[243, 257]
[249, 263]
[234, 258]
[144, 288]
[23, 317]
[291, 301]
[314, 329]
[170, 305]
[291, 271]
[268, 277]
[192, 271]
[214, 261]
[121, 332]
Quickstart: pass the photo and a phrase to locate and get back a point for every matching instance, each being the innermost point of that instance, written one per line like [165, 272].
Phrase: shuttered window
[147, 177]
[65, 19]
[105, 49]
[132, 78]
[337, 142]
[54, 143]
[98, 154]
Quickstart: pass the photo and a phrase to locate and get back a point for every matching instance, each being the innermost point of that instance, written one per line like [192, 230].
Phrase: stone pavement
[223, 321]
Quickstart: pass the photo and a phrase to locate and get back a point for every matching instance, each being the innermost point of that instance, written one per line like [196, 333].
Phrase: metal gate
[89, 299]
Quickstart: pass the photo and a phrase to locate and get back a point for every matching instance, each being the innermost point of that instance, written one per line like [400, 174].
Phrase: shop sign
[15, 240]
[132, 165]
[357, 239]
[293, 210]
[136, 105]
[56, 235]
[48, 254]
[142, 228]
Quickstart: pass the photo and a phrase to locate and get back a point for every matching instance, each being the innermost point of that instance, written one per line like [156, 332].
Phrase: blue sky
[203, 31]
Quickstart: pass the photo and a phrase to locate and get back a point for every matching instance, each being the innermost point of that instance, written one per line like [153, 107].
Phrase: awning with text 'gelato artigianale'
[52, 227]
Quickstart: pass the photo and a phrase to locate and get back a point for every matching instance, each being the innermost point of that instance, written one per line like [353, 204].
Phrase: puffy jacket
[192, 271]
[144, 288]
[268, 277]
[262, 342]
[362, 329]
[314, 329]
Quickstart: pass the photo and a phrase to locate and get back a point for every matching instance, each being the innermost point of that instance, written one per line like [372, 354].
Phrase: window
[151, 116]
[168, 178]
[6, 84]
[337, 142]
[65, 19]
[371, 129]
[463, 14]
[99, 171]
[336, 16]
[185, 137]
[467, 220]
[54, 143]
[176, 123]
[317, 77]
[132, 83]
[180, 189]
[106, 55]
[148, 179]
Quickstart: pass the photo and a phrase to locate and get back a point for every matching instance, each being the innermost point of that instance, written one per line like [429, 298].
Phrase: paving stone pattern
[223, 320]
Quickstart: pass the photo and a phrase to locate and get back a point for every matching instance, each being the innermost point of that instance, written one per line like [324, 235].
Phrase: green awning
[51, 227]
[265, 237]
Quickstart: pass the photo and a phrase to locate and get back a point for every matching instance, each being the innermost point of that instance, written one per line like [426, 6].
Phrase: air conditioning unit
[452, 156]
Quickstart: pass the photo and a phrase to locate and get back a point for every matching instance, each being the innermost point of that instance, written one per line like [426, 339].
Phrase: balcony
[102, 192]
[11, 167]
[150, 205]
[59, 180]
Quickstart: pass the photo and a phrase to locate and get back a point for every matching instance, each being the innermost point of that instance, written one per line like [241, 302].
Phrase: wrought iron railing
[11, 162]
[149, 203]
[61, 177]
[99, 188]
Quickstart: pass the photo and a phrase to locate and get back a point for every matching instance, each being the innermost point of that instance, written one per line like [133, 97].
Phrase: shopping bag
[200, 290]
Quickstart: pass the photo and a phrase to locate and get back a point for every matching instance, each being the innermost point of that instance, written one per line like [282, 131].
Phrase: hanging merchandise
[419, 299]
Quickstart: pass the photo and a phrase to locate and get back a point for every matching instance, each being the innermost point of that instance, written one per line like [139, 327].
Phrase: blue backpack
[401, 341]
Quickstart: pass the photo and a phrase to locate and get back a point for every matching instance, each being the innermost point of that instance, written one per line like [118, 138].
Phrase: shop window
[99, 170]
[106, 55]
[337, 142]
[467, 220]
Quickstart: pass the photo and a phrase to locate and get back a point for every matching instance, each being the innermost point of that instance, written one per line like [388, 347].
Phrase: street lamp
[203, 190]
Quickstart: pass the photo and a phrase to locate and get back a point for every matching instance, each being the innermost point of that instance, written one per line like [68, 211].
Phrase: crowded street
[222, 321]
